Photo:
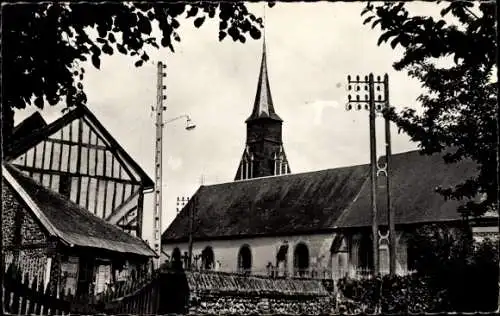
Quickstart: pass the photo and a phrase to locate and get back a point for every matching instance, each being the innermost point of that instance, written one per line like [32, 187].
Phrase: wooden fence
[22, 296]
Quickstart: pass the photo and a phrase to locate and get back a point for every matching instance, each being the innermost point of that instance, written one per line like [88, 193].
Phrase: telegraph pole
[192, 212]
[388, 153]
[373, 103]
[160, 108]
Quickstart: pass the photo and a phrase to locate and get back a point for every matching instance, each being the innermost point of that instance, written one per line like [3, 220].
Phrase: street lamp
[158, 223]
[161, 96]
[189, 123]
[373, 95]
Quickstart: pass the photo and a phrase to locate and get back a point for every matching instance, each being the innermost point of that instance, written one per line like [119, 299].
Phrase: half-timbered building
[77, 157]
[54, 239]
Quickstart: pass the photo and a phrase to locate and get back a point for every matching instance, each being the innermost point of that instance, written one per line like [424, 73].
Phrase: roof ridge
[286, 175]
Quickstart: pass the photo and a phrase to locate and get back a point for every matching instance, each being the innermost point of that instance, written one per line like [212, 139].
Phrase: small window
[301, 260]
[245, 259]
[207, 258]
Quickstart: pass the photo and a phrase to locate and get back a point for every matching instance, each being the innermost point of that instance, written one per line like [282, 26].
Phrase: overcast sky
[312, 47]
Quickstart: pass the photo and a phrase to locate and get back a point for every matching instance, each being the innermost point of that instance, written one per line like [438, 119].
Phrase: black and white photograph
[250, 158]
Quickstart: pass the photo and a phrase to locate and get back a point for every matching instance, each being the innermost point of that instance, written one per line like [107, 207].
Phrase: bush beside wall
[461, 284]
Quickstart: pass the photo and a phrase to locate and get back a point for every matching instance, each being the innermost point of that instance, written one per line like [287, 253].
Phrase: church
[269, 221]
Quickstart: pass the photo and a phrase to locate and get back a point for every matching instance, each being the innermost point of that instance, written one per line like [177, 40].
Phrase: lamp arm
[177, 118]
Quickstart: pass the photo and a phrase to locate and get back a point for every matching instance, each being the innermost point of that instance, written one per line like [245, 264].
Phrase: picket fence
[24, 296]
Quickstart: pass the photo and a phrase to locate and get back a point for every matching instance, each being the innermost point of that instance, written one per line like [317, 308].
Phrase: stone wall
[218, 293]
[21, 230]
[216, 305]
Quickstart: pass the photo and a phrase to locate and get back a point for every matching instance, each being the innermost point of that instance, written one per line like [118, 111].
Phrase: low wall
[225, 304]
[224, 293]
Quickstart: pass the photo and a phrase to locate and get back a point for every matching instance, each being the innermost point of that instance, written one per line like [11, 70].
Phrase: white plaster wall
[264, 250]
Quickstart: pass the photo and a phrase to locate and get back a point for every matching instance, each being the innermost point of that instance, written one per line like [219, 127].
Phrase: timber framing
[14, 150]
[76, 156]
[76, 174]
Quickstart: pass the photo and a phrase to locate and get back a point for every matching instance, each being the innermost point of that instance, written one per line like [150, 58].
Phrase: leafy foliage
[462, 273]
[464, 281]
[46, 42]
[398, 294]
[459, 102]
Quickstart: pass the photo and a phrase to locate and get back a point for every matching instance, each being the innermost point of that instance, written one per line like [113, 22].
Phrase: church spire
[264, 155]
[263, 105]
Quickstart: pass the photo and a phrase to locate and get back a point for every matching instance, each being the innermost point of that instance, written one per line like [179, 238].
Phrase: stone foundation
[217, 305]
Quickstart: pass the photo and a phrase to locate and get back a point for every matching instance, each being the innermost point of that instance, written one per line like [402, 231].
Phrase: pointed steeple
[263, 106]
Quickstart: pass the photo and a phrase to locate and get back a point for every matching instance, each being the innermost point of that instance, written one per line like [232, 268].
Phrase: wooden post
[140, 208]
[390, 211]
[192, 211]
[373, 174]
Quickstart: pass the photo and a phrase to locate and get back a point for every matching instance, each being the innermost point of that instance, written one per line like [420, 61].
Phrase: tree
[44, 43]
[461, 272]
[459, 102]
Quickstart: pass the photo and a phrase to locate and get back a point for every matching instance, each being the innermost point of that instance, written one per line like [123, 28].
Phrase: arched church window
[281, 260]
[251, 166]
[284, 171]
[365, 255]
[301, 259]
[412, 256]
[276, 165]
[384, 257]
[176, 258]
[245, 259]
[207, 258]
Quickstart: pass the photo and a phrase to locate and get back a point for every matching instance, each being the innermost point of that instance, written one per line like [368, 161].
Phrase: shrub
[455, 276]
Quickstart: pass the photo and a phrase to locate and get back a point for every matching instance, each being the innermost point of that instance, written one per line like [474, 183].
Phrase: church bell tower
[263, 155]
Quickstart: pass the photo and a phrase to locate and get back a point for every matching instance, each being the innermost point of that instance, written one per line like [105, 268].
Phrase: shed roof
[70, 222]
[220, 283]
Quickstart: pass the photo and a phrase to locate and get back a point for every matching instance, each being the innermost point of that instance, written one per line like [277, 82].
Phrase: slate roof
[40, 134]
[414, 178]
[70, 222]
[321, 201]
[299, 203]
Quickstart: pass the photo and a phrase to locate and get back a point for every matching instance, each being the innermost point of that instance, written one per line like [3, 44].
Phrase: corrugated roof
[69, 221]
[323, 200]
[414, 178]
[294, 203]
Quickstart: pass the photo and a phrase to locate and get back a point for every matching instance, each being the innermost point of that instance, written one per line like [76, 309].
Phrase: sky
[311, 48]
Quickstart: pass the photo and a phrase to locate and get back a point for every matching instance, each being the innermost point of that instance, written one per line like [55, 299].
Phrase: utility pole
[388, 153]
[373, 103]
[192, 211]
[160, 108]
[181, 202]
